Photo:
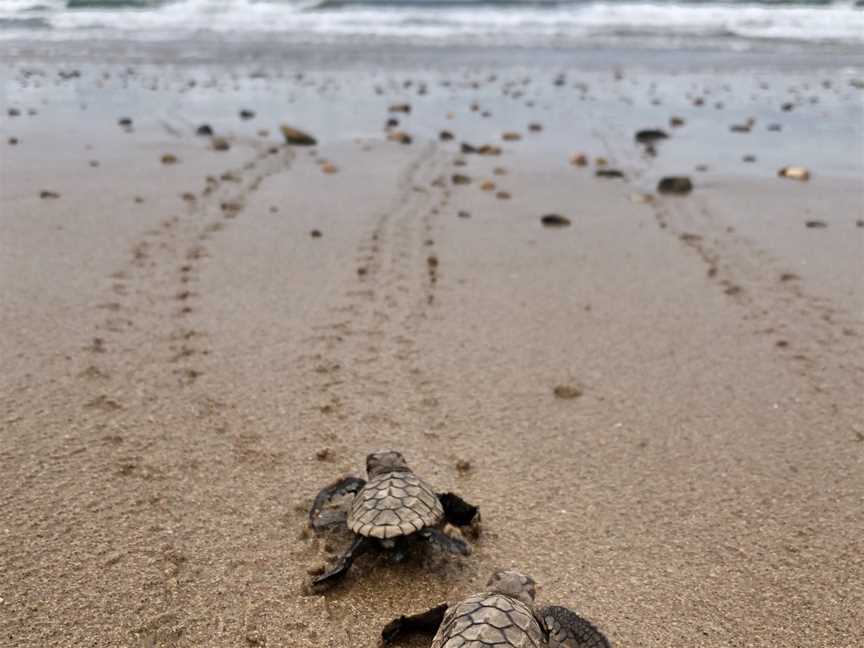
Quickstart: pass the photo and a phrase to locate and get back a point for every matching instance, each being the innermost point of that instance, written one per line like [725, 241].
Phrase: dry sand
[171, 367]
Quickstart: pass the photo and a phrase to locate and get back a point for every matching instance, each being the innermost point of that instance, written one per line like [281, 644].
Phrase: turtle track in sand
[149, 344]
[812, 333]
[151, 310]
[368, 348]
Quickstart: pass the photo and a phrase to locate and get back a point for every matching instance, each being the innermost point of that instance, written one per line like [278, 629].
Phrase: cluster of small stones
[489, 620]
[394, 504]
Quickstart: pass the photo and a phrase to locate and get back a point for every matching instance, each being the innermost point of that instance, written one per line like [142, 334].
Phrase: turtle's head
[514, 584]
[384, 461]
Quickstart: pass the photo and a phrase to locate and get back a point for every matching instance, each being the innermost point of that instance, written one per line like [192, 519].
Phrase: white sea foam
[503, 23]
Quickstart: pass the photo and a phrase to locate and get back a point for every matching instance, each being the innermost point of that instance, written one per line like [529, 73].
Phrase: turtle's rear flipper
[457, 511]
[426, 623]
[568, 630]
[360, 546]
[318, 518]
[446, 542]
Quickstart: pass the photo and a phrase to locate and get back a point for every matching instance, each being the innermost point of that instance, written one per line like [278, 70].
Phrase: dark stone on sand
[676, 122]
[403, 108]
[48, 195]
[463, 465]
[13, 141]
[609, 173]
[741, 128]
[567, 392]
[650, 135]
[534, 127]
[220, 144]
[13, 112]
[445, 136]
[463, 214]
[169, 158]
[125, 122]
[247, 114]
[555, 220]
[391, 123]
[679, 185]
[297, 137]
[460, 179]
[749, 158]
[775, 128]
[401, 137]
[816, 224]
[787, 107]
[204, 130]
[485, 149]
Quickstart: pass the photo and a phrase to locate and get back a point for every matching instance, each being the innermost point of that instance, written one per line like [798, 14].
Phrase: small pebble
[679, 185]
[220, 144]
[555, 220]
[609, 173]
[567, 392]
[794, 173]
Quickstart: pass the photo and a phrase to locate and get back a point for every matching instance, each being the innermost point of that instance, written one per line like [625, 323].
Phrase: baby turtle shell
[486, 620]
[394, 504]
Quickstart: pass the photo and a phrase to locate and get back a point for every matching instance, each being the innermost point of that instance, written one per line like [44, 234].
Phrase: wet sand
[174, 364]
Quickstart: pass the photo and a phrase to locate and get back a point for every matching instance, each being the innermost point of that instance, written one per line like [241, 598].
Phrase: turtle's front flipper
[446, 542]
[568, 630]
[328, 494]
[360, 546]
[425, 623]
[457, 511]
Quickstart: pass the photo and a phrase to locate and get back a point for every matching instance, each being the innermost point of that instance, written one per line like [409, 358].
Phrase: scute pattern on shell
[487, 620]
[394, 504]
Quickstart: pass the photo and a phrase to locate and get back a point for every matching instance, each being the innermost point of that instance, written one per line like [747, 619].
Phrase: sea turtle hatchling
[390, 510]
[504, 616]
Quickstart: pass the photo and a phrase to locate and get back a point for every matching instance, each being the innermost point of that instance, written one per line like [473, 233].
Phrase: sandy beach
[185, 364]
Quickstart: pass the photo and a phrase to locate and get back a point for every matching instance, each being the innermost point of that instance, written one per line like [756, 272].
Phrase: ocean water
[665, 24]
